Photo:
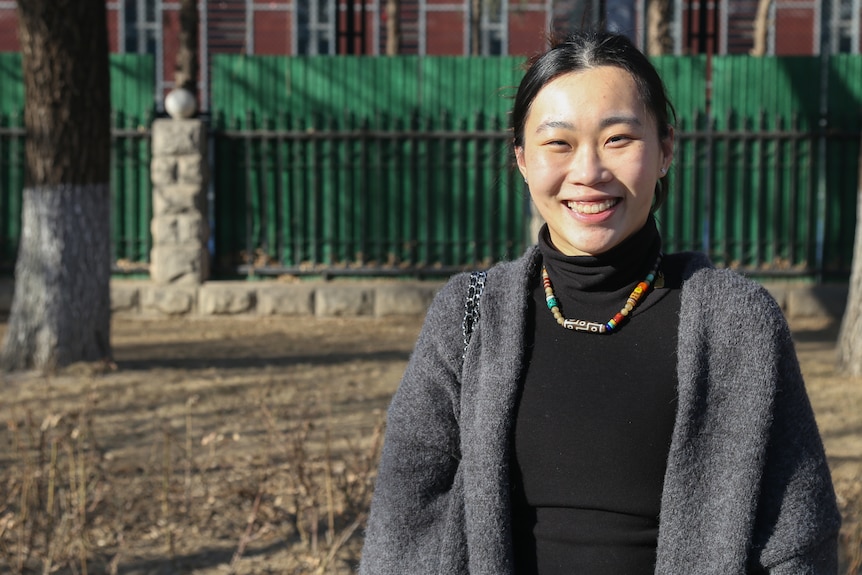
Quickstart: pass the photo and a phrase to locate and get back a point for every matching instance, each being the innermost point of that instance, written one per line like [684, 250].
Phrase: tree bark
[659, 38]
[761, 28]
[61, 307]
[393, 28]
[849, 357]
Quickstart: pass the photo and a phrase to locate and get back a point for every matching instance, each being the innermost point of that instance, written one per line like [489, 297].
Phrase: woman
[674, 437]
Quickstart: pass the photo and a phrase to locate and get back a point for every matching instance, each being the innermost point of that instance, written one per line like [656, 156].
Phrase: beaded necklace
[594, 327]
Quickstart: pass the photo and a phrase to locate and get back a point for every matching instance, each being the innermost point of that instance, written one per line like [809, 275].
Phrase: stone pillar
[179, 174]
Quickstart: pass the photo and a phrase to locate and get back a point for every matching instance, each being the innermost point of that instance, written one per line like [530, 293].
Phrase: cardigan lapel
[491, 384]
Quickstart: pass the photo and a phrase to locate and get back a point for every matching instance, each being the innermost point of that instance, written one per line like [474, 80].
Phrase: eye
[557, 144]
[618, 139]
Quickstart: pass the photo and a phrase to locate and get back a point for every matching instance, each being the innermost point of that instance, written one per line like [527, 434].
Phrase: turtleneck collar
[586, 278]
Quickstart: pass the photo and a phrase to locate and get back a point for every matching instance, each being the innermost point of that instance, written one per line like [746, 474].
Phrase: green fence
[402, 163]
[364, 165]
[132, 85]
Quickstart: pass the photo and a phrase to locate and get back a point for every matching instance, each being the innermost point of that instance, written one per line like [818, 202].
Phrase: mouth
[592, 207]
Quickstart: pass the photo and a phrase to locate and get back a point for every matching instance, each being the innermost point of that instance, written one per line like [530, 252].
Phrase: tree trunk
[761, 28]
[393, 28]
[659, 38]
[186, 73]
[61, 307]
[850, 338]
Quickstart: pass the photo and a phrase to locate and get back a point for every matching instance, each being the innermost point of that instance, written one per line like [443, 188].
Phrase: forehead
[590, 92]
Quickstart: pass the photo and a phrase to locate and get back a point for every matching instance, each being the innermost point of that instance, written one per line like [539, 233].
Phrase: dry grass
[238, 446]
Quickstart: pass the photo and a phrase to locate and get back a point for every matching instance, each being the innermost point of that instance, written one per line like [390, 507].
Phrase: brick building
[443, 27]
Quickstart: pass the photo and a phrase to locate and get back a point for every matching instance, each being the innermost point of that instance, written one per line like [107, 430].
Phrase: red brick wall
[795, 32]
[527, 32]
[8, 30]
[445, 33]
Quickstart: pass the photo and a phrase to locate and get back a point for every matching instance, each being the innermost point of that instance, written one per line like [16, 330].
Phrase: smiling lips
[592, 207]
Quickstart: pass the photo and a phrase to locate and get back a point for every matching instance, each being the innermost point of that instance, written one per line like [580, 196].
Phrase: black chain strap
[471, 306]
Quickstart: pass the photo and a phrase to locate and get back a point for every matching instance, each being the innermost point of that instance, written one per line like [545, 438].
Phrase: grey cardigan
[747, 488]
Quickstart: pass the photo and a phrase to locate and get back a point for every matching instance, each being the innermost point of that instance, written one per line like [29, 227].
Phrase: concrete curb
[372, 298]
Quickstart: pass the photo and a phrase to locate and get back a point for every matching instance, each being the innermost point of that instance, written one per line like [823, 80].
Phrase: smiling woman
[674, 437]
[592, 154]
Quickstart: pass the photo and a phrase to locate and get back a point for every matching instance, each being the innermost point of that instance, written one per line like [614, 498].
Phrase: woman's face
[592, 157]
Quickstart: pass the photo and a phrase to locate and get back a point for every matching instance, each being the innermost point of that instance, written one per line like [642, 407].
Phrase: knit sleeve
[796, 529]
[416, 513]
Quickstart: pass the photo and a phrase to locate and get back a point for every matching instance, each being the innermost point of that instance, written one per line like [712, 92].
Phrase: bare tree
[393, 28]
[61, 307]
[850, 336]
[761, 28]
[659, 38]
[186, 74]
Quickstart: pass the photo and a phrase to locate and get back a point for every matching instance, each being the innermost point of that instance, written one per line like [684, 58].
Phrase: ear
[667, 148]
[519, 157]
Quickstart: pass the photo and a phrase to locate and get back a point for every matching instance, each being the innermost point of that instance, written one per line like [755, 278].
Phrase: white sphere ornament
[180, 103]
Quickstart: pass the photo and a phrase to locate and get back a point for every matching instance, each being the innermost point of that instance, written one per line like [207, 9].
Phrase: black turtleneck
[595, 416]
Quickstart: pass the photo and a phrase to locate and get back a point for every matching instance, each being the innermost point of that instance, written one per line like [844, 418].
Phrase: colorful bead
[592, 327]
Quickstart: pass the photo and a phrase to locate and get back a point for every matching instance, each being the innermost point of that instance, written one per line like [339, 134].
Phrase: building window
[493, 28]
[139, 19]
[315, 21]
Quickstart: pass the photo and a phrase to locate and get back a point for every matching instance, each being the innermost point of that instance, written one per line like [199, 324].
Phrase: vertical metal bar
[749, 211]
[760, 191]
[835, 27]
[504, 28]
[727, 227]
[706, 241]
[249, 224]
[821, 154]
[293, 10]
[121, 27]
[678, 31]
[725, 17]
[478, 189]
[312, 27]
[140, 18]
[330, 205]
[818, 28]
[332, 26]
[282, 226]
[793, 181]
[364, 198]
[770, 31]
[778, 199]
[375, 28]
[855, 24]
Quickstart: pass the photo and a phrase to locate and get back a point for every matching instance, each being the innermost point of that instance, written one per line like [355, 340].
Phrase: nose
[587, 168]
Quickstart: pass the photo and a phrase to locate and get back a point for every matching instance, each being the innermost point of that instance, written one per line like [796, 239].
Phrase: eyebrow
[606, 122]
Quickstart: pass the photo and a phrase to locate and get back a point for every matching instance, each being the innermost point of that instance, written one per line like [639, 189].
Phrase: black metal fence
[413, 201]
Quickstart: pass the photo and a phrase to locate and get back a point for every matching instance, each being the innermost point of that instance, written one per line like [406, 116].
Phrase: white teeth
[592, 207]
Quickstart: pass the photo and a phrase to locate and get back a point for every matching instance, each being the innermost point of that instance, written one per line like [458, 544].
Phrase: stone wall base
[142, 298]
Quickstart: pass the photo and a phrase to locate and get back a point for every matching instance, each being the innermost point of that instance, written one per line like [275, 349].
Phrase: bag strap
[471, 305]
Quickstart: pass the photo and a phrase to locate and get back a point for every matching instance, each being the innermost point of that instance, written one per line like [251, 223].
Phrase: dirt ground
[249, 446]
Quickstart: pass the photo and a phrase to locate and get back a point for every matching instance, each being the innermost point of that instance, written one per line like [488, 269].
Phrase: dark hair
[590, 49]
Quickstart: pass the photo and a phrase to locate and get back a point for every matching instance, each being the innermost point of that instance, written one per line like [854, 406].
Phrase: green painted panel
[132, 87]
[682, 217]
[743, 186]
